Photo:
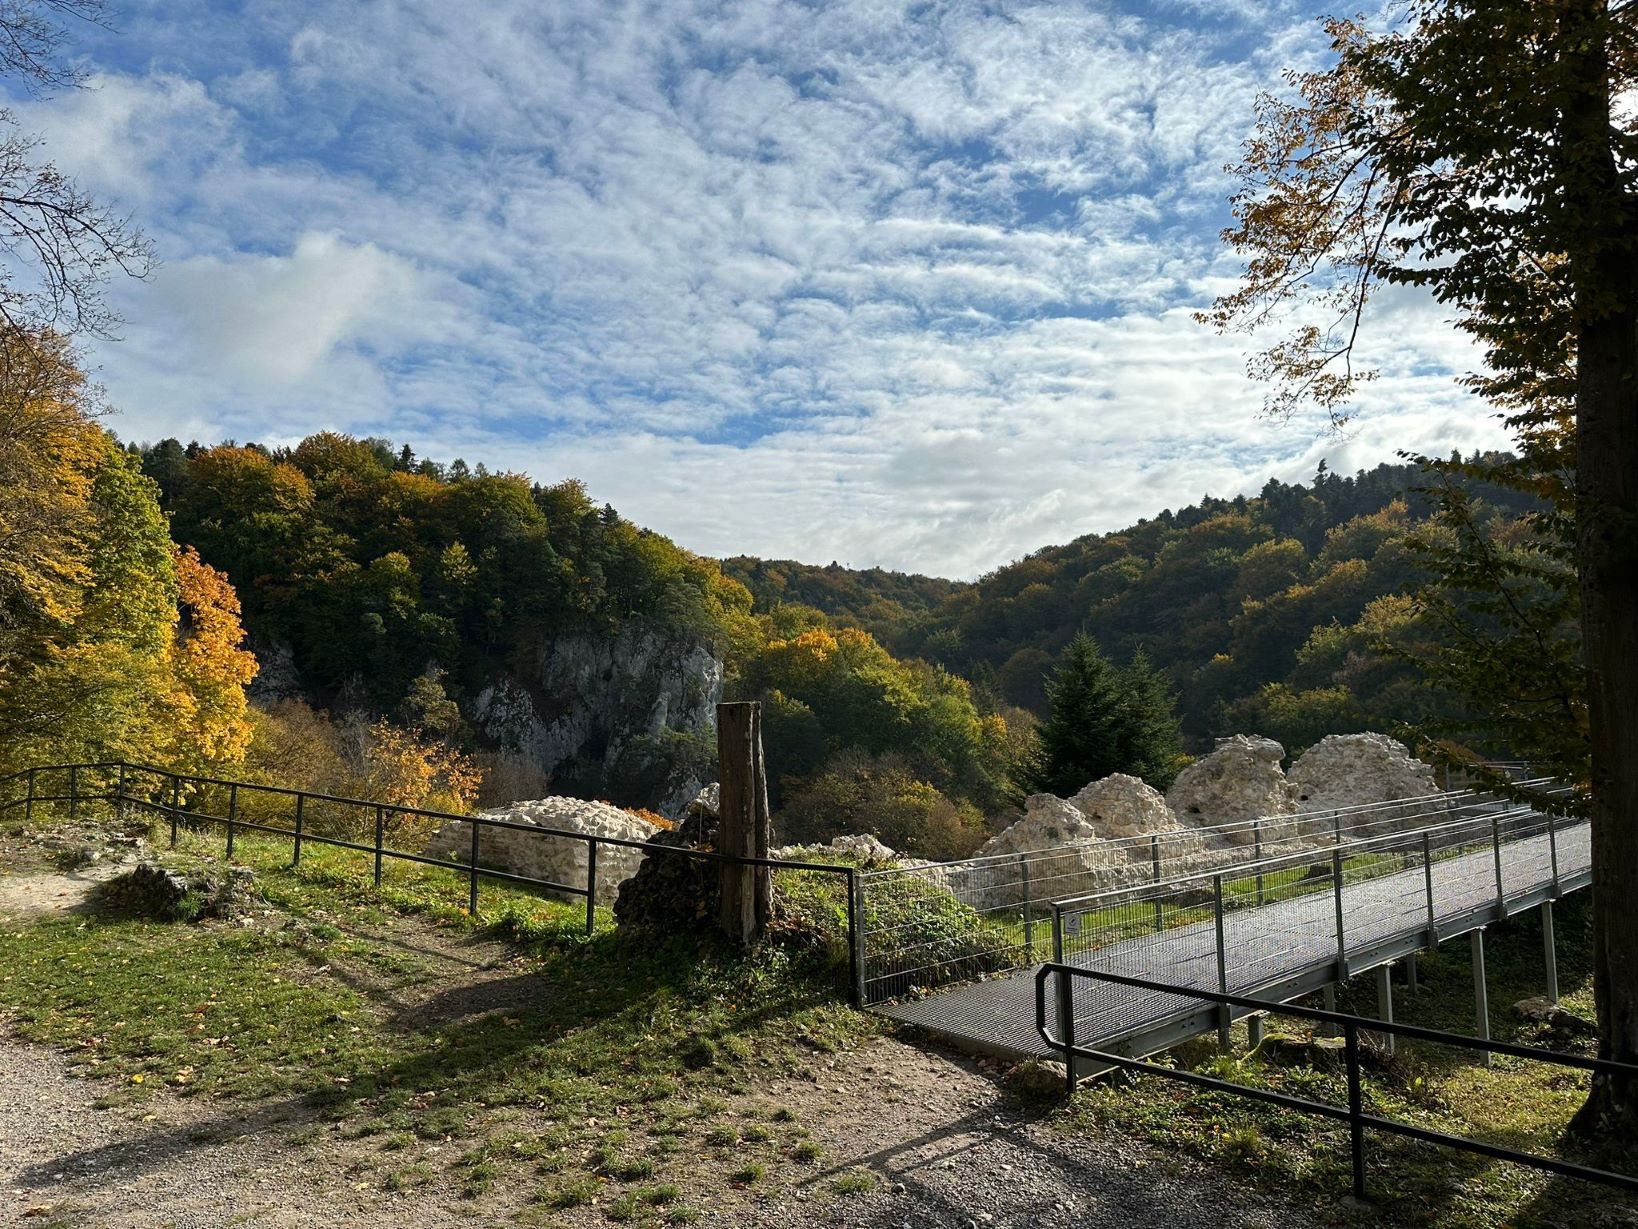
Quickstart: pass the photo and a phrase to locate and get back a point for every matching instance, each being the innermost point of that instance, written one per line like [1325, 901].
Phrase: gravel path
[948, 1148]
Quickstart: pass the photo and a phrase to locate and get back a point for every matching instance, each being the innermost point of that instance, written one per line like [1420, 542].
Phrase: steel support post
[472, 864]
[380, 834]
[1066, 1027]
[1481, 996]
[73, 791]
[1254, 1029]
[28, 803]
[1410, 973]
[232, 816]
[1427, 879]
[1328, 1000]
[1495, 843]
[1549, 949]
[1356, 1110]
[1552, 850]
[1384, 1003]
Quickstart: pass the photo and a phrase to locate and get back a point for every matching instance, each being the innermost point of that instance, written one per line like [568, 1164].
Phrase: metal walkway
[1381, 900]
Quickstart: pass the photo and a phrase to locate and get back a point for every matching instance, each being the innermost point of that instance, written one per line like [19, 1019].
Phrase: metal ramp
[1278, 928]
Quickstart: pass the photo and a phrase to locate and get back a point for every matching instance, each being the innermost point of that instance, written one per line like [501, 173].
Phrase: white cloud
[897, 284]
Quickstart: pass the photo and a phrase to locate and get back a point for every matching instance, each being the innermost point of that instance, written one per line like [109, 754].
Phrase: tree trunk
[1606, 299]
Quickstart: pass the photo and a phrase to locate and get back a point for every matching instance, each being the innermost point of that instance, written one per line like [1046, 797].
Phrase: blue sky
[897, 284]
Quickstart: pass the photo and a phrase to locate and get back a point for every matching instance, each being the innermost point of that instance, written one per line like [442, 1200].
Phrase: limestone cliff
[631, 716]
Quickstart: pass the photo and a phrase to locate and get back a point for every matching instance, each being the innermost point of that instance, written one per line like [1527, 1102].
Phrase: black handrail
[301, 835]
[1351, 1026]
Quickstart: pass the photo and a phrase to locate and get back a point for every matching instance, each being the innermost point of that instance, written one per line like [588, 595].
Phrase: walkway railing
[1005, 902]
[306, 818]
[1063, 978]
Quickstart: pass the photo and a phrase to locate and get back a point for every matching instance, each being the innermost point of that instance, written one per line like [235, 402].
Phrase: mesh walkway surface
[1285, 947]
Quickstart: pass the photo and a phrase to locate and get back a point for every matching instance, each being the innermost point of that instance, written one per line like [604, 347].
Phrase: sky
[893, 284]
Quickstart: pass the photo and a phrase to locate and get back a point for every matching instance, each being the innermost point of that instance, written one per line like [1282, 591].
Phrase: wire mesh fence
[928, 925]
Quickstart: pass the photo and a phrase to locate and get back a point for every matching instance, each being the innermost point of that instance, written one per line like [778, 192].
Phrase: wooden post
[747, 891]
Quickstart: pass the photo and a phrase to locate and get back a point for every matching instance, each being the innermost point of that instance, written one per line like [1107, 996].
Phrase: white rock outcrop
[1350, 770]
[1239, 781]
[557, 859]
[1121, 805]
[864, 846]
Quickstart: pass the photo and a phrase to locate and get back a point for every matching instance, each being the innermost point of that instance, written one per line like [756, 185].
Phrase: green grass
[1517, 1103]
[570, 1034]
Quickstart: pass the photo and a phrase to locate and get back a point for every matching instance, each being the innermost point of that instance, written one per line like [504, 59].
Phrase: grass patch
[329, 1004]
[854, 1182]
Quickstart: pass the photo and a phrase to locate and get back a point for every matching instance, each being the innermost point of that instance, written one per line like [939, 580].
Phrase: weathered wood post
[747, 891]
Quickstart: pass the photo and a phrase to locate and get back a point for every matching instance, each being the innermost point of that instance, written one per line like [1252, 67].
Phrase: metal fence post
[73, 791]
[1342, 942]
[380, 836]
[295, 859]
[1495, 844]
[1427, 877]
[1257, 849]
[855, 934]
[232, 815]
[28, 803]
[1356, 1107]
[1066, 1027]
[1224, 1015]
[1154, 857]
[591, 887]
[1029, 910]
[176, 795]
[119, 791]
[472, 888]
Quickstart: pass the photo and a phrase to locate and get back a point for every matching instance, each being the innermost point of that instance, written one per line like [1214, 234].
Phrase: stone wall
[555, 858]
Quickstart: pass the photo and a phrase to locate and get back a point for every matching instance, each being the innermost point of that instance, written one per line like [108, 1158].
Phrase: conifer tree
[1082, 738]
[1150, 745]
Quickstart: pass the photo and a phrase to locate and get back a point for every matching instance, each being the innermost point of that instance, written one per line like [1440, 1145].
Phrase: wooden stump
[747, 891]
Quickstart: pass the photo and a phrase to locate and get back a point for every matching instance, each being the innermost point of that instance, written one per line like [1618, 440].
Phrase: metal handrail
[381, 851]
[1459, 797]
[1349, 848]
[1352, 1026]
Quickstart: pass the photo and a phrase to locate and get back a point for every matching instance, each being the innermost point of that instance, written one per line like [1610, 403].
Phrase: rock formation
[670, 892]
[635, 711]
[1347, 770]
[559, 859]
[1239, 781]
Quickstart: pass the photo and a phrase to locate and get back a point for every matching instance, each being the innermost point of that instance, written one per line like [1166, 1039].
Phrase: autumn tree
[1477, 150]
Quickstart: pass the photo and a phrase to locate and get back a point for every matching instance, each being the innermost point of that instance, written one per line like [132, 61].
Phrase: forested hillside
[886, 604]
[1261, 611]
[565, 648]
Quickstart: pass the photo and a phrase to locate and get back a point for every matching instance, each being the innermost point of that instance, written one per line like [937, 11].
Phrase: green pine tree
[1149, 742]
[1081, 739]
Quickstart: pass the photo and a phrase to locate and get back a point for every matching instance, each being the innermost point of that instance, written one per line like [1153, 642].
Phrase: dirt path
[946, 1146]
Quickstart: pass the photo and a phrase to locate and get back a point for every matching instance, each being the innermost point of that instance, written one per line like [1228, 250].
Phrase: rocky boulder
[151, 890]
[1123, 806]
[557, 859]
[1347, 770]
[863, 848]
[670, 892]
[1239, 781]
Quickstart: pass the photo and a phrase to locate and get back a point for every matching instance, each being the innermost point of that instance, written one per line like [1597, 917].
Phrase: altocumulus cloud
[905, 284]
